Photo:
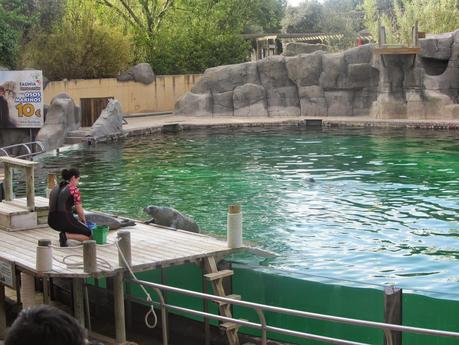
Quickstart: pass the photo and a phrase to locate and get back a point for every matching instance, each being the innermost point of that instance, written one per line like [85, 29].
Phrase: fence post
[393, 313]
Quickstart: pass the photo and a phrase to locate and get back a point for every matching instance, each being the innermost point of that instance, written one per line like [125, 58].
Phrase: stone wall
[355, 82]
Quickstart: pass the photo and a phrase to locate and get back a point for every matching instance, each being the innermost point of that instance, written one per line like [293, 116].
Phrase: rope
[148, 297]
[104, 264]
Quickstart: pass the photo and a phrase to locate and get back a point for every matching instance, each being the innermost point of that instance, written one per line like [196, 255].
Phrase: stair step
[218, 275]
[41, 203]
[9, 209]
[16, 222]
[236, 297]
[230, 325]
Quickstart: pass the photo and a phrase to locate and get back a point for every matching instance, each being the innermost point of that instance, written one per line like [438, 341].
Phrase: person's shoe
[63, 239]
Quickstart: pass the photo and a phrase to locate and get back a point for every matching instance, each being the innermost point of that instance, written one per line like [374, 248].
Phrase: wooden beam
[396, 51]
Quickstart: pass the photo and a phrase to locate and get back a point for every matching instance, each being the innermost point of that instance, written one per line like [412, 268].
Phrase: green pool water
[382, 207]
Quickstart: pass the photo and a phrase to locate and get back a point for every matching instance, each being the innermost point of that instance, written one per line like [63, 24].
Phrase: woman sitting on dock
[62, 199]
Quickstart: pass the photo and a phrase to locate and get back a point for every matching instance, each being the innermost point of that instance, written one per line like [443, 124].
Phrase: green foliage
[398, 17]
[195, 51]
[329, 16]
[14, 20]
[79, 47]
[305, 17]
[198, 35]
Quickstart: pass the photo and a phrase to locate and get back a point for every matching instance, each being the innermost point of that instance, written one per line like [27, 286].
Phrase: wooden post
[416, 36]
[45, 290]
[2, 312]
[8, 182]
[78, 300]
[52, 182]
[393, 313]
[89, 256]
[125, 247]
[118, 295]
[30, 189]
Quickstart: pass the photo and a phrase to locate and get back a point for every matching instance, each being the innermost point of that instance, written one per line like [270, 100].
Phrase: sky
[294, 2]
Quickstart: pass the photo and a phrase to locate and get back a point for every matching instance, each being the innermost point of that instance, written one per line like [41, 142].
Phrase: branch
[132, 19]
[162, 13]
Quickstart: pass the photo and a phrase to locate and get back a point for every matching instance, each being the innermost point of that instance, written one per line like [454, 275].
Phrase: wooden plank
[218, 275]
[18, 162]
[7, 208]
[40, 203]
[396, 51]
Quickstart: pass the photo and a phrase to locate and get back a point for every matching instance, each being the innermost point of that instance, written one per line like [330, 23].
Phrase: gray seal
[170, 217]
[104, 219]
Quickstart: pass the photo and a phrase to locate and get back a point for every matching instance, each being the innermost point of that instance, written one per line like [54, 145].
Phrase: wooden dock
[151, 246]
[25, 237]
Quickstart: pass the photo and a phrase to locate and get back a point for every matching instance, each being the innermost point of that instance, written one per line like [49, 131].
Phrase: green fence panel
[287, 292]
[433, 313]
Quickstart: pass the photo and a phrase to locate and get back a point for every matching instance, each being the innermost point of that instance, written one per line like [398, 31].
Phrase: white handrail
[261, 307]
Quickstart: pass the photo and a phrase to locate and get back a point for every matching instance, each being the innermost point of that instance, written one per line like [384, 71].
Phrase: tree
[305, 17]
[200, 34]
[329, 16]
[80, 46]
[398, 17]
[20, 21]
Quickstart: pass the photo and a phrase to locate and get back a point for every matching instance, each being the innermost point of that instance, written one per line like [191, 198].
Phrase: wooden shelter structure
[274, 44]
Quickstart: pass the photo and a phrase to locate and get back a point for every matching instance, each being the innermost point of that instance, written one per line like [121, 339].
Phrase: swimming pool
[372, 206]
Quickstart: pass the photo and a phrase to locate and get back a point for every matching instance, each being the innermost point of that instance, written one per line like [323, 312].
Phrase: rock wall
[351, 83]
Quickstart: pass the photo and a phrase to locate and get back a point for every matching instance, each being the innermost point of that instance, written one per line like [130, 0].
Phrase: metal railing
[31, 149]
[264, 327]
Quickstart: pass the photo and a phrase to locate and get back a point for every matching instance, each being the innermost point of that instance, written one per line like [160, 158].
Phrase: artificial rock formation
[109, 123]
[62, 116]
[353, 82]
[142, 73]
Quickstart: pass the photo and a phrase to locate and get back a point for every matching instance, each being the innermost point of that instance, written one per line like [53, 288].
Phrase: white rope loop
[105, 265]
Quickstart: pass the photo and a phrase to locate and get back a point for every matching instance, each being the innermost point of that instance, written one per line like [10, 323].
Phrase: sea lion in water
[104, 219]
[167, 216]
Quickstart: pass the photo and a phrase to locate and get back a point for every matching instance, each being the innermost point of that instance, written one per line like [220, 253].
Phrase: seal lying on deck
[105, 219]
[167, 216]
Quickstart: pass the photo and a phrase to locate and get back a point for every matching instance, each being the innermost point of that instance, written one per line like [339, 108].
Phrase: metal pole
[264, 337]
[164, 326]
[205, 306]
